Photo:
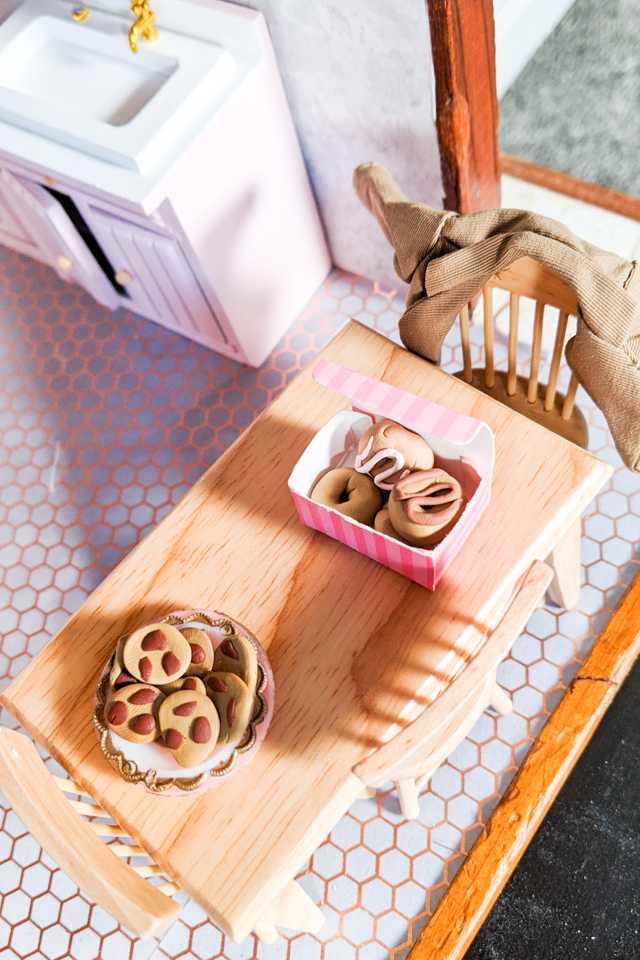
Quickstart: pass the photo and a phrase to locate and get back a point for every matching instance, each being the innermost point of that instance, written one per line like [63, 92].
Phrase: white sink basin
[80, 84]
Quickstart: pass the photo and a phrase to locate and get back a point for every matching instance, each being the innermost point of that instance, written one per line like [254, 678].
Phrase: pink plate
[150, 765]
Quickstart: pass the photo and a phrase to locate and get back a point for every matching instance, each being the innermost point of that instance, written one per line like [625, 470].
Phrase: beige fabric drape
[446, 259]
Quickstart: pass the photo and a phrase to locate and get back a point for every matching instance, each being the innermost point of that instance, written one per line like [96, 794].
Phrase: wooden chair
[91, 853]
[413, 755]
[542, 403]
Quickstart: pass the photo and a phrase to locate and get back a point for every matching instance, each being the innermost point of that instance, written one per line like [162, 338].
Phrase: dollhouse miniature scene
[319, 480]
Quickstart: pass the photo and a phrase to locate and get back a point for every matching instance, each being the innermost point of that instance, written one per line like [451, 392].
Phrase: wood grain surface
[463, 46]
[356, 649]
[513, 823]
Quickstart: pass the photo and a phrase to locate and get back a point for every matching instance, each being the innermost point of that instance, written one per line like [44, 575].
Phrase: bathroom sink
[80, 84]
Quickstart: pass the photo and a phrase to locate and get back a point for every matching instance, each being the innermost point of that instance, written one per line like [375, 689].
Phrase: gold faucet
[143, 25]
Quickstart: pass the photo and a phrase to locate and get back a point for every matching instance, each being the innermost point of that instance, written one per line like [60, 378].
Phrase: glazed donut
[424, 506]
[349, 492]
[388, 451]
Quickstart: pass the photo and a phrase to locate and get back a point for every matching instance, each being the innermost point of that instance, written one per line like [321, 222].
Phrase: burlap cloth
[447, 258]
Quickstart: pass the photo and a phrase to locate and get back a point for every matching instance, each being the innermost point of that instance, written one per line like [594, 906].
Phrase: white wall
[359, 80]
[521, 27]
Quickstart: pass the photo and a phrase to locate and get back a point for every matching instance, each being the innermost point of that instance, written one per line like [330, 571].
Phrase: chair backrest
[88, 852]
[395, 758]
[542, 403]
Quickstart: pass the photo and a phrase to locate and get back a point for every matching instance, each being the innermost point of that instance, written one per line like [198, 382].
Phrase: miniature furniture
[358, 651]
[541, 403]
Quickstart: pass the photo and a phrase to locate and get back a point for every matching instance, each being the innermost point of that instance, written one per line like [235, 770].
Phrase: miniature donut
[383, 524]
[424, 506]
[388, 451]
[349, 492]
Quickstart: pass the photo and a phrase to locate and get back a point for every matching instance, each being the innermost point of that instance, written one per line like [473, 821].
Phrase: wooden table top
[353, 645]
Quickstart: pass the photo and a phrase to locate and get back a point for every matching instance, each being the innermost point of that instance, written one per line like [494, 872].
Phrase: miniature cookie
[424, 506]
[189, 725]
[132, 712]
[118, 675]
[388, 451]
[201, 651]
[184, 683]
[237, 655]
[349, 492]
[157, 653]
[234, 702]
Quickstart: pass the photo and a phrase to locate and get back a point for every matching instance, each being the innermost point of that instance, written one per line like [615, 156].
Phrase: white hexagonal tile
[347, 833]
[394, 867]
[342, 893]
[378, 835]
[411, 837]
[328, 861]
[446, 782]
[527, 649]
[479, 783]
[496, 756]
[357, 926]
[462, 811]
[465, 756]
[376, 896]
[528, 702]
[360, 864]
[558, 650]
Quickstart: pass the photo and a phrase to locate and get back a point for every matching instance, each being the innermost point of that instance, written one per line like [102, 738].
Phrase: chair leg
[265, 932]
[500, 701]
[367, 793]
[292, 908]
[564, 560]
[408, 797]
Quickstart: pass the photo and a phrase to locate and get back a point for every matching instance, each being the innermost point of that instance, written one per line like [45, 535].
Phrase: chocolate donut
[349, 492]
[388, 451]
[424, 506]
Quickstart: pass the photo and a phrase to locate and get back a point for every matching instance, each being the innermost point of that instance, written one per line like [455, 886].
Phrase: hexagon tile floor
[106, 419]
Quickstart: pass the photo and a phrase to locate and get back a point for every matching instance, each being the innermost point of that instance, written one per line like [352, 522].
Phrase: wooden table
[352, 644]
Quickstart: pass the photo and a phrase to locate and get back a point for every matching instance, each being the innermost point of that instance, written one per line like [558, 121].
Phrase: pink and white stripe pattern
[425, 567]
[397, 404]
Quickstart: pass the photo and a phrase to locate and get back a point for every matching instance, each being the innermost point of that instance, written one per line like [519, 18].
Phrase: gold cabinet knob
[123, 277]
[63, 263]
[49, 181]
[79, 14]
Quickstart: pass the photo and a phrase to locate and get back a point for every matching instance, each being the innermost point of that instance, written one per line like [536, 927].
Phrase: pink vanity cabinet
[219, 240]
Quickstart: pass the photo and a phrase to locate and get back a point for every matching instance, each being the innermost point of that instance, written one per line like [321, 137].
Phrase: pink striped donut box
[463, 446]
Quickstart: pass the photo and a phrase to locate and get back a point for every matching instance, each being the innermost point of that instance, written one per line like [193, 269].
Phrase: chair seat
[574, 429]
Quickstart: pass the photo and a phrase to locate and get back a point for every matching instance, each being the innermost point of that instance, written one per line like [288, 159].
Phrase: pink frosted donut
[424, 506]
[388, 451]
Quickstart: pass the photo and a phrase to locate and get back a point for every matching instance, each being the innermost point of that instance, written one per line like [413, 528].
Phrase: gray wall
[359, 79]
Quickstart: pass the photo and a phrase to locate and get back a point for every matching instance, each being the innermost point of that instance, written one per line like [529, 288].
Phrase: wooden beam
[463, 44]
[570, 186]
[510, 828]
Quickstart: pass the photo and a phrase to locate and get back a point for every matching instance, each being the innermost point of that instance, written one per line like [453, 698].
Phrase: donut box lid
[464, 445]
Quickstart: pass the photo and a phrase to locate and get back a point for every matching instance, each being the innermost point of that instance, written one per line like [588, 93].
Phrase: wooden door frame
[464, 60]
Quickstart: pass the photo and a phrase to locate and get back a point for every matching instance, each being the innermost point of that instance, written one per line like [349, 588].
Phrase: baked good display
[190, 726]
[132, 712]
[424, 506]
[233, 701]
[156, 653]
[159, 720]
[352, 493]
[388, 451]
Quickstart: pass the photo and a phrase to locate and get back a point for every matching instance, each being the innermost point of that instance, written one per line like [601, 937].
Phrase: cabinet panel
[162, 286]
[55, 239]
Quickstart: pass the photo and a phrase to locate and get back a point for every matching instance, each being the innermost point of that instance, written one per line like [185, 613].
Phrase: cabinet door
[157, 277]
[56, 240]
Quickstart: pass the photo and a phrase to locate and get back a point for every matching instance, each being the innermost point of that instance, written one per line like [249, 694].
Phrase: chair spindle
[570, 399]
[466, 345]
[514, 312]
[487, 297]
[536, 347]
[554, 370]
